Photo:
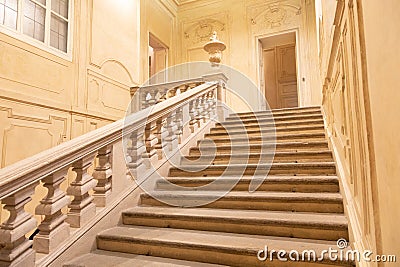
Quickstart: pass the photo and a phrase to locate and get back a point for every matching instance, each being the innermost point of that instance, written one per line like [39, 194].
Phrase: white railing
[149, 95]
[62, 210]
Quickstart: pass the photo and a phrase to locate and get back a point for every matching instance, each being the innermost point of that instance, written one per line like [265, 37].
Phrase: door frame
[153, 37]
[260, 68]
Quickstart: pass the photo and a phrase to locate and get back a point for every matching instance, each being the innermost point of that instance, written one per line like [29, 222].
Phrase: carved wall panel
[27, 130]
[345, 113]
[107, 96]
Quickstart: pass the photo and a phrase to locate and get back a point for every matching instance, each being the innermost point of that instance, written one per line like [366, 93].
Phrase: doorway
[279, 70]
[158, 60]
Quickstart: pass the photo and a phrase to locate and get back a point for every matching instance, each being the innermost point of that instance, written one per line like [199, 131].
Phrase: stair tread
[198, 166]
[244, 216]
[231, 242]
[266, 135]
[269, 178]
[252, 154]
[104, 258]
[266, 124]
[269, 144]
[257, 195]
[257, 118]
[284, 110]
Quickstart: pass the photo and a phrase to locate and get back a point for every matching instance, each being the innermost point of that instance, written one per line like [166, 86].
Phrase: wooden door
[287, 76]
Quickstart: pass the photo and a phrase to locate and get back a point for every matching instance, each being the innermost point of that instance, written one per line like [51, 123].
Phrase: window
[44, 23]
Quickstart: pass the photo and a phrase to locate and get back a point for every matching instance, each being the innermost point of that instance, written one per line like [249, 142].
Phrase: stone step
[266, 114]
[210, 247]
[282, 111]
[278, 201]
[263, 131]
[266, 125]
[304, 184]
[260, 148]
[241, 121]
[308, 168]
[271, 223]
[264, 138]
[294, 157]
[103, 258]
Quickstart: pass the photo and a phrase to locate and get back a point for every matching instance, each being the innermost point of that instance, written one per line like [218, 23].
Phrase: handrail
[34, 168]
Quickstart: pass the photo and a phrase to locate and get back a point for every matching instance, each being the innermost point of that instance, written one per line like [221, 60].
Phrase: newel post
[15, 248]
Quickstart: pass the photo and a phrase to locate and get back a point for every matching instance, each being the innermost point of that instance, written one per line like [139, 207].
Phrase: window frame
[45, 46]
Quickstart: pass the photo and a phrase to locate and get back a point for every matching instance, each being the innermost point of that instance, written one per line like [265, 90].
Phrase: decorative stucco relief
[200, 31]
[274, 16]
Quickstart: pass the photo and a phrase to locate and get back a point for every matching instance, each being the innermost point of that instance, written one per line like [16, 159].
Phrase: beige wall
[160, 19]
[239, 23]
[382, 39]
[45, 99]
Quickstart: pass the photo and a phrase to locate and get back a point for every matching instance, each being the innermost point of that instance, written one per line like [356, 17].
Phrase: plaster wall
[382, 38]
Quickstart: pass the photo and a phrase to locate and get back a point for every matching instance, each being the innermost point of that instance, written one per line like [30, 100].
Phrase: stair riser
[251, 171]
[272, 187]
[255, 158]
[199, 254]
[239, 227]
[251, 204]
[291, 111]
[255, 140]
[269, 123]
[254, 149]
[269, 115]
[266, 126]
[278, 132]
[258, 134]
[269, 119]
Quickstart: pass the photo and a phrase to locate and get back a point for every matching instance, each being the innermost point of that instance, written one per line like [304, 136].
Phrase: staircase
[297, 207]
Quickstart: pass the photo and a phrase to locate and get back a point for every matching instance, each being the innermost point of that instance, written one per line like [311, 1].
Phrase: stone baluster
[150, 142]
[103, 174]
[183, 88]
[135, 151]
[204, 105]
[82, 208]
[199, 111]
[53, 229]
[171, 128]
[179, 124]
[193, 125]
[150, 98]
[160, 133]
[15, 248]
[143, 100]
[211, 104]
